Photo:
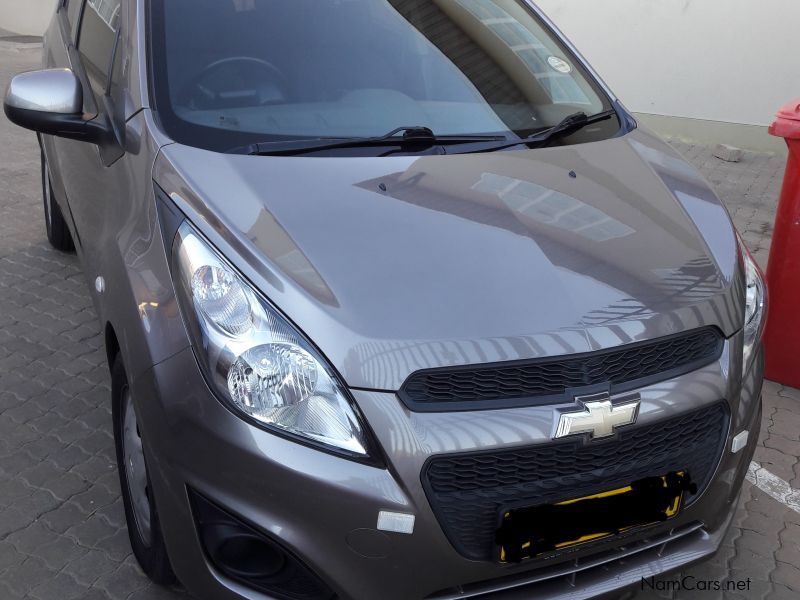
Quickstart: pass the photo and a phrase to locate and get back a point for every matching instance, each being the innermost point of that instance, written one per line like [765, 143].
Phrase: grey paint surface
[316, 501]
[53, 90]
[653, 254]
[519, 259]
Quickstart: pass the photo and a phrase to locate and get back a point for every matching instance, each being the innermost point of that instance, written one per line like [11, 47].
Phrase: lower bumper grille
[468, 491]
[600, 573]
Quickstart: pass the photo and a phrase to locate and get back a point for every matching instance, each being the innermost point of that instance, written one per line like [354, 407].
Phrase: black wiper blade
[567, 126]
[412, 136]
[574, 123]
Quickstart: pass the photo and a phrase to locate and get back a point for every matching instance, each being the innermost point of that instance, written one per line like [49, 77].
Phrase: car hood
[392, 265]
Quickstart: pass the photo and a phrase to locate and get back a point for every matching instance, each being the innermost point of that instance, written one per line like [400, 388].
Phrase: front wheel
[144, 529]
[57, 231]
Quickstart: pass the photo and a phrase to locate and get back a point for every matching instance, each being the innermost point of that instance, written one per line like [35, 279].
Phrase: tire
[57, 231]
[144, 527]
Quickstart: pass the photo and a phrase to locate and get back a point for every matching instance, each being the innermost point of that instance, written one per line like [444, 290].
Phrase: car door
[59, 40]
[93, 177]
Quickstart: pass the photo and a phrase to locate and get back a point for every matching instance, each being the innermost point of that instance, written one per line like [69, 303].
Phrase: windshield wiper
[567, 126]
[412, 136]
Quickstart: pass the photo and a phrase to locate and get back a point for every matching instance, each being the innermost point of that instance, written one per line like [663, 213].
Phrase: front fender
[137, 298]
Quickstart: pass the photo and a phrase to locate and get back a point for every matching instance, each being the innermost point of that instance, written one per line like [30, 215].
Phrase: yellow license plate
[531, 532]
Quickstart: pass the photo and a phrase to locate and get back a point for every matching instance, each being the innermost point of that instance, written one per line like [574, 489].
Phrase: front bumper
[324, 508]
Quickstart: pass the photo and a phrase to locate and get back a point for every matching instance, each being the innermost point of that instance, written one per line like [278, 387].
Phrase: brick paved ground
[62, 532]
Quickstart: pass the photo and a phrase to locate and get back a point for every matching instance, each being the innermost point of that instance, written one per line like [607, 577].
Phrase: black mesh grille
[547, 380]
[468, 492]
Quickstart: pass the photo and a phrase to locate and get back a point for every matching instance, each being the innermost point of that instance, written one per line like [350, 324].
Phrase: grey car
[399, 300]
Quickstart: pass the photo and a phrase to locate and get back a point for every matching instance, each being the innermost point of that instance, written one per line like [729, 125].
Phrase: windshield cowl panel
[233, 73]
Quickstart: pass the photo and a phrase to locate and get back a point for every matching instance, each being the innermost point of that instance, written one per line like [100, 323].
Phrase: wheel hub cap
[135, 468]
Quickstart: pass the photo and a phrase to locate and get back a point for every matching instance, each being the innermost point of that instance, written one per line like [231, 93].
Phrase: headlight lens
[255, 359]
[755, 307]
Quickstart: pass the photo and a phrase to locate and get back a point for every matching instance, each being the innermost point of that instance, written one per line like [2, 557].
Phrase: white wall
[736, 61]
[26, 17]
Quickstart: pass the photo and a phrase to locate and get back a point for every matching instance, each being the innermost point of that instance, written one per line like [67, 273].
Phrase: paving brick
[117, 545]
[63, 517]
[91, 531]
[758, 544]
[154, 592]
[41, 473]
[12, 490]
[763, 524]
[16, 462]
[790, 393]
[57, 553]
[123, 581]
[14, 434]
[788, 575]
[97, 441]
[785, 429]
[11, 520]
[38, 503]
[98, 417]
[73, 458]
[60, 587]
[97, 496]
[29, 539]
[113, 513]
[790, 535]
[96, 594]
[7, 593]
[93, 468]
[781, 444]
[781, 592]
[29, 574]
[788, 553]
[9, 556]
[22, 413]
[759, 586]
[67, 485]
[91, 566]
[46, 424]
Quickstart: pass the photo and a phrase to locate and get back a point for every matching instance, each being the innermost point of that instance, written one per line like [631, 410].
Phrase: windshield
[228, 73]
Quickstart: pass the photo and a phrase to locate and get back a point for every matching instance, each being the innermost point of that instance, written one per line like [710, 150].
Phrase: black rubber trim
[568, 394]
[170, 219]
[84, 128]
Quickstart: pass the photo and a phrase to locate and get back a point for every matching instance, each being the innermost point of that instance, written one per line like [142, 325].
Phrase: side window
[73, 14]
[98, 35]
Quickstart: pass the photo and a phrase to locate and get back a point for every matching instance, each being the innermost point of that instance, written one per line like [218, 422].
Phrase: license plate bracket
[529, 532]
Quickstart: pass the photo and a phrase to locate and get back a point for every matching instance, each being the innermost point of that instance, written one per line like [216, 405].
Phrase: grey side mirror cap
[51, 102]
[55, 91]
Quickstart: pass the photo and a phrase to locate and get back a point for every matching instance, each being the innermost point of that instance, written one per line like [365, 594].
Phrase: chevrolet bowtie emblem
[599, 416]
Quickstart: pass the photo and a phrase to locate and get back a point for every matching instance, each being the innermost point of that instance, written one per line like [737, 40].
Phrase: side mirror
[51, 102]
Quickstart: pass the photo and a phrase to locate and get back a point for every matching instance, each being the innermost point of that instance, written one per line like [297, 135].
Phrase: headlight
[257, 361]
[755, 307]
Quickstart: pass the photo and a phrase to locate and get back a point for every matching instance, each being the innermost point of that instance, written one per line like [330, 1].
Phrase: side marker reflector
[395, 522]
[739, 442]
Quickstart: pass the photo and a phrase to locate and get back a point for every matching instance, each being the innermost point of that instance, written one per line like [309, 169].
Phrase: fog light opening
[243, 554]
